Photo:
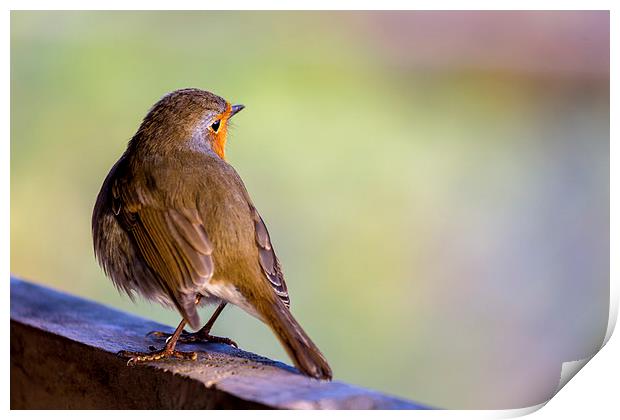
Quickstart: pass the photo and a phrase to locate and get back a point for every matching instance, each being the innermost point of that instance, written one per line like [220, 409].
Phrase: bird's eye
[216, 126]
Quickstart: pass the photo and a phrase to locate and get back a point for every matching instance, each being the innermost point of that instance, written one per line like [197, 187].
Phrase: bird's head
[191, 118]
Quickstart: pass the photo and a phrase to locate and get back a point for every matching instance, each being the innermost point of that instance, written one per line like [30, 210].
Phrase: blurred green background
[436, 184]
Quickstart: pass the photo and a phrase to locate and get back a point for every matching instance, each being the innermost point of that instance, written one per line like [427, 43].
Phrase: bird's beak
[235, 108]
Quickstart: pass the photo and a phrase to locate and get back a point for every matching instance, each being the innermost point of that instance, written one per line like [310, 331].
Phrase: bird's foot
[197, 337]
[138, 357]
[207, 338]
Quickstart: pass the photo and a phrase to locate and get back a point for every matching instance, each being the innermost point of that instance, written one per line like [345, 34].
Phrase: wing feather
[173, 242]
[268, 260]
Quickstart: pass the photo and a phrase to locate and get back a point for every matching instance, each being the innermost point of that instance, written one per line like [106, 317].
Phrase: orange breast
[220, 138]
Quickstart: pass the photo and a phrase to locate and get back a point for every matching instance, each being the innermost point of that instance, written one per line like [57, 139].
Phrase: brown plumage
[174, 223]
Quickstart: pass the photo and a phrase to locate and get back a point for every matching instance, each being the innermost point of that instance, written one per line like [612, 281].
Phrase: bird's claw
[196, 337]
[161, 334]
[138, 357]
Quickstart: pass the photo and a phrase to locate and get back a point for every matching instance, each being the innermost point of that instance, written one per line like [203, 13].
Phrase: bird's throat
[219, 145]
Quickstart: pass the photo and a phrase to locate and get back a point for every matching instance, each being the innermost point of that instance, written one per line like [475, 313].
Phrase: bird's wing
[267, 258]
[173, 242]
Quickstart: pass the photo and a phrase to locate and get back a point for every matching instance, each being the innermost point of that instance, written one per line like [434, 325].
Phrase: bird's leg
[168, 335]
[167, 352]
[202, 335]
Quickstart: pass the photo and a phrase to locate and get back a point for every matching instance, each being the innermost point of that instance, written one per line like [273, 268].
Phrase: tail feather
[305, 354]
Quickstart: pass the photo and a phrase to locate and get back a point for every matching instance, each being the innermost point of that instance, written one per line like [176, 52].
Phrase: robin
[174, 223]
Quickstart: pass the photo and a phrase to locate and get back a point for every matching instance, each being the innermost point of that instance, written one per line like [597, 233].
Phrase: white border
[594, 393]
[309, 5]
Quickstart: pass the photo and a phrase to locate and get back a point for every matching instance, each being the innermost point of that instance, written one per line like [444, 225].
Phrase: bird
[174, 223]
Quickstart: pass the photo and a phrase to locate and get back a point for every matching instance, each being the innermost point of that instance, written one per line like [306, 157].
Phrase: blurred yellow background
[436, 184]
